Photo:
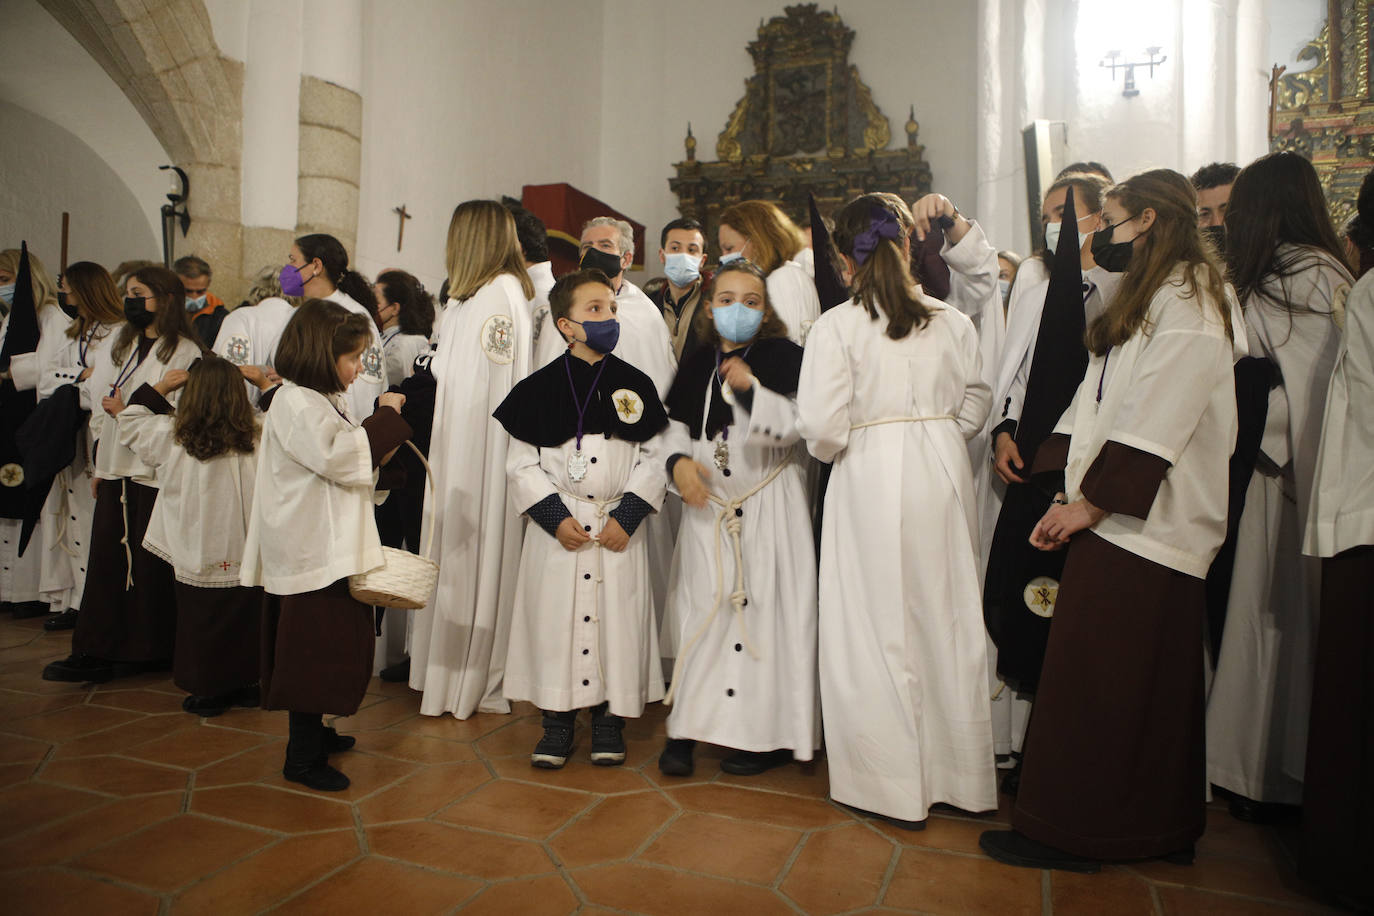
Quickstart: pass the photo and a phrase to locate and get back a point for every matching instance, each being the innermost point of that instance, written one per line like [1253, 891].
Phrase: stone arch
[163, 55]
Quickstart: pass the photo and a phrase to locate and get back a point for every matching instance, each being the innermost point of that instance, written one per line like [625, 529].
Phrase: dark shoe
[130, 669]
[321, 777]
[63, 621]
[248, 697]
[676, 759]
[554, 749]
[752, 763]
[208, 707]
[79, 669]
[335, 743]
[1011, 780]
[398, 673]
[26, 609]
[1181, 856]
[1012, 848]
[894, 821]
[608, 744]
[1257, 812]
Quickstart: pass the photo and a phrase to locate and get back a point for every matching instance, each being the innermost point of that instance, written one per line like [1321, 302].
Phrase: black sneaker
[398, 673]
[79, 669]
[63, 621]
[554, 749]
[752, 763]
[319, 776]
[676, 759]
[608, 744]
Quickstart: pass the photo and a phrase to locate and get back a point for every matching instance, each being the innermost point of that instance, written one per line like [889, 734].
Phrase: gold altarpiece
[1326, 113]
[807, 124]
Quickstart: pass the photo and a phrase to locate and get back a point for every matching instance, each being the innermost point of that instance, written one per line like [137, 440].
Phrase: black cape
[540, 409]
[775, 362]
[21, 336]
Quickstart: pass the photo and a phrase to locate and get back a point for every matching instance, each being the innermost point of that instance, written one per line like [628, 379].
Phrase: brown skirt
[316, 651]
[219, 641]
[1338, 794]
[1115, 753]
[128, 624]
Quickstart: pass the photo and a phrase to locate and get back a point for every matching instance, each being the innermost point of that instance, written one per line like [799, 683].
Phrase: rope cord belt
[884, 421]
[124, 538]
[728, 518]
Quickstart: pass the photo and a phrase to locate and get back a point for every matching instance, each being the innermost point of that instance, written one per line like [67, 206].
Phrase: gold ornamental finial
[691, 144]
[911, 127]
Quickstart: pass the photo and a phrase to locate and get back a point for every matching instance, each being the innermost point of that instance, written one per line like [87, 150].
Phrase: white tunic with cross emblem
[583, 629]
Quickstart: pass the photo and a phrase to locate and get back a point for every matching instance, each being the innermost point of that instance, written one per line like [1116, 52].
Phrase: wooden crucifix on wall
[402, 216]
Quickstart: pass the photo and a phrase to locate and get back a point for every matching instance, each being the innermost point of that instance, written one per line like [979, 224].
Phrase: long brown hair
[96, 299]
[1171, 242]
[318, 333]
[214, 415]
[482, 245]
[1277, 199]
[773, 237]
[171, 320]
[772, 325]
[44, 286]
[883, 281]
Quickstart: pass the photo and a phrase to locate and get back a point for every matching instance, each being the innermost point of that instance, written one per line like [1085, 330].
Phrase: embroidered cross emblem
[225, 566]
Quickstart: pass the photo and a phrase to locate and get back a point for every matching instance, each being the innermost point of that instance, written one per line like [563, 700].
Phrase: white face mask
[1052, 236]
[1005, 287]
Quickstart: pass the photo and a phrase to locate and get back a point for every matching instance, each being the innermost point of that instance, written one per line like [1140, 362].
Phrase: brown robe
[218, 639]
[1114, 761]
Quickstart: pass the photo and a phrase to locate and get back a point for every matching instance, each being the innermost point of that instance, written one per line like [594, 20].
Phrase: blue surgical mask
[602, 336]
[731, 257]
[1005, 287]
[682, 269]
[195, 304]
[7, 293]
[737, 322]
[1052, 236]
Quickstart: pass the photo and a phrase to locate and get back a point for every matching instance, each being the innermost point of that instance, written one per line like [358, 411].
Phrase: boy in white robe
[585, 464]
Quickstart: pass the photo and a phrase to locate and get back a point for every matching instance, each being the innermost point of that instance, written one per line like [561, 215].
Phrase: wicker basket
[404, 580]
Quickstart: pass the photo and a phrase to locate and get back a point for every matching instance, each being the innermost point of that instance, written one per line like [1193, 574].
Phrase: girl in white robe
[744, 573]
[586, 465]
[891, 391]
[459, 642]
[1294, 286]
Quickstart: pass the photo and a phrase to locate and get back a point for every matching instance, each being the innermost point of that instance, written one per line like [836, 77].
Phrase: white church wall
[47, 170]
[667, 65]
[45, 72]
[488, 96]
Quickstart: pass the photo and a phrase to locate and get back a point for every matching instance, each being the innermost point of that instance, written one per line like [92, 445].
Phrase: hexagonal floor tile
[763, 807]
[114, 775]
[614, 829]
[73, 836]
[428, 791]
[374, 885]
[664, 892]
[548, 896]
[839, 869]
[458, 849]
[174, 853]
[274, 809]
[938, 882]
[69, 722]
[32, 804]
[269, 876]
[49, 892]
[724, 847]
[517, 808]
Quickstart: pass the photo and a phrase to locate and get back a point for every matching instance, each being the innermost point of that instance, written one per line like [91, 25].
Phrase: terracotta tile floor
[113, 801]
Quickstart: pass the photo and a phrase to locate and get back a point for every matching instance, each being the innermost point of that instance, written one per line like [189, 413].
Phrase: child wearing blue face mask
[585, 465]
[744, 585]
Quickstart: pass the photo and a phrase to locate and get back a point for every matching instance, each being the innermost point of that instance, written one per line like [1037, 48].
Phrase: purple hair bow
[881, 225]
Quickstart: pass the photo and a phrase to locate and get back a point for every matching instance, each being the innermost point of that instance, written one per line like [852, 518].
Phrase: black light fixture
[1114, 61]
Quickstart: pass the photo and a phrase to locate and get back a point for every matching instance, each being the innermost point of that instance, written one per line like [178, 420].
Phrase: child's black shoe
[752, 763]
[208, 707]
[319, 776]
[554, 749]
[608, 744]
[676, 759]
[334, 742]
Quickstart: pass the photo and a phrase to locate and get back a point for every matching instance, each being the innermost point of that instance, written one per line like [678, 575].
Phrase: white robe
[541, 275]
[399, 352]
[747, 680]
[903, 654]
[1261, 692]
[459, 642]
[249, 336]
[792, 293]
[371, 379]
[583, 628]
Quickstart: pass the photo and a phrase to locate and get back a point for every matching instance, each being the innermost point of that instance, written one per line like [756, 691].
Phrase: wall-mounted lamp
[1114, 61]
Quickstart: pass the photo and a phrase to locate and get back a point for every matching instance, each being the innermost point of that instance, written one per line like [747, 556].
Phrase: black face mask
[1217, 236]
[136, 312]
[1113, 257]
[67, 308]
[604, 261]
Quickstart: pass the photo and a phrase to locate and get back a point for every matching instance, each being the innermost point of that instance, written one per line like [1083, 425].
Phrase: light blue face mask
[731, 257]
[196, 304]
[7, 293]
[1052, 236]
[682, 269]
[737, 322]
[1005, 287]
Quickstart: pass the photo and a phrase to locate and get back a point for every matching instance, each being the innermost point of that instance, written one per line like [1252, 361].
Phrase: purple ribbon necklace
[577, 462]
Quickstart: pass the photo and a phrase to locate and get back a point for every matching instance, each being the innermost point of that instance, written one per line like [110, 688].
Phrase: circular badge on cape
[1040, 595]
[237, 350]
[372, 363]
[498, 339]
[628, 405]
[11, 475]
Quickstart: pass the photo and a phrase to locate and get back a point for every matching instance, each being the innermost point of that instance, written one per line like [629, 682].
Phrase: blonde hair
[44, 286]
[773, 237]
[482, 245]
[627, 232]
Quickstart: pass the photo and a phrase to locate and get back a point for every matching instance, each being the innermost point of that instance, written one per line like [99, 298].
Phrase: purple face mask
[291, 283]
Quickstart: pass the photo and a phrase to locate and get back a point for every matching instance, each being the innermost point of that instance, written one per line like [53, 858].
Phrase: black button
[739, 513]
[585, 683]
[586, 575]
[768, 431]
[586, 527]
[593, 461]
[726, 472]
[739, 648]
[77, 543]
[73, 518]
[587, 619]
[730, 692]
[585, 651]
[745, 603]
